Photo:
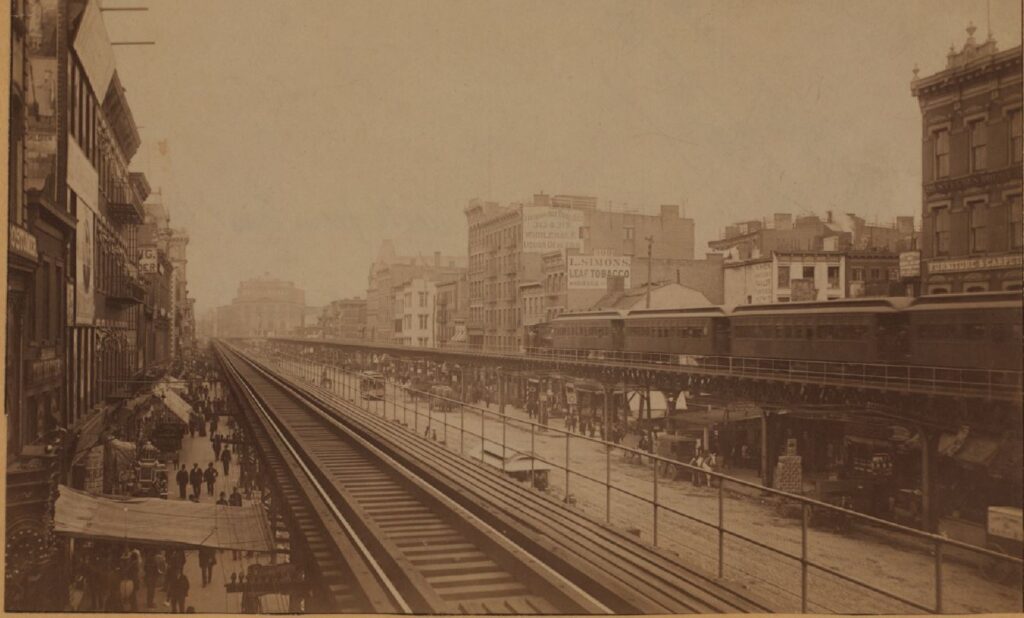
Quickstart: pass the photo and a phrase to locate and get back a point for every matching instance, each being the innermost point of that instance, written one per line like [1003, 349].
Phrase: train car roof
[963, 302]
[708, 311]
[589, 315]
[842, 305]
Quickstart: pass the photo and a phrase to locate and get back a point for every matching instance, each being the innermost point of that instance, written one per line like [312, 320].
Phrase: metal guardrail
[347, 383]
[924, 379]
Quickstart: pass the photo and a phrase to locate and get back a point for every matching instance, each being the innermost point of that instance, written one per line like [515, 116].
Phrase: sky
[291, 137]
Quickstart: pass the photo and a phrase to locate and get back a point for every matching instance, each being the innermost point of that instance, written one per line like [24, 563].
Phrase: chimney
[437, 259]
[828, 213]
[669, 211]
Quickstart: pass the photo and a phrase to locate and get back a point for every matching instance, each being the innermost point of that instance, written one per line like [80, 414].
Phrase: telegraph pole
[650, 244]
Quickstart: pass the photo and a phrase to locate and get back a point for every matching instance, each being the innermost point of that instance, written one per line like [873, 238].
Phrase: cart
[1004, 534]
[679, 448]
[443, 399]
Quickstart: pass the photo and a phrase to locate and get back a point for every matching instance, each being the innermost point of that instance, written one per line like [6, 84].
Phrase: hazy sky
[299, 134]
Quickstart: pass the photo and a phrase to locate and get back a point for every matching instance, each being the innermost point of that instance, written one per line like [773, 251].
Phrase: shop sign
[45, 370]
[978, 263]
[148, 261]
[591, 272]
[22, 242]
[41, 97]
[551, 229]
[910, 264]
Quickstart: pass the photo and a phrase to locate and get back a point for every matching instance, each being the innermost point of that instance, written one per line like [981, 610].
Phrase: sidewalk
[213, 598]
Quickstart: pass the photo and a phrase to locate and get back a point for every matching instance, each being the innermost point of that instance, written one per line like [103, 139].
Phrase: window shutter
[959, 157]
[928, 159]
[927, 235]
[998, 143]
[998, 221]
[959, 232]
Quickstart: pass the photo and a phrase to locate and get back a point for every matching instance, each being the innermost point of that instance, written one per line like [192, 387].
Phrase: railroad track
[419, 552]
[428, 532]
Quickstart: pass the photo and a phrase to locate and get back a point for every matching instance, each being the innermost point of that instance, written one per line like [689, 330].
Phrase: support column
[929, 459]
[766, 472]
[502, 395]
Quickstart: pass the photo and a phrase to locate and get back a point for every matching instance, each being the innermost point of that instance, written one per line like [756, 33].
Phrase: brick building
[344, 319]
[972, 236]
[510, 245]
[390, 271]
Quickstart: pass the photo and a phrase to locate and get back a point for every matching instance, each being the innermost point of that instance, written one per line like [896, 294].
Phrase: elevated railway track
[386, 522]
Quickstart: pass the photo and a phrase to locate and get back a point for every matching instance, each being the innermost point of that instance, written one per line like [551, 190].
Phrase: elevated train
[961, 331]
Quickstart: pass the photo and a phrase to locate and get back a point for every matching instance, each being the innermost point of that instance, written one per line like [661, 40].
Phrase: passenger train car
[854, 330]
[981, 331]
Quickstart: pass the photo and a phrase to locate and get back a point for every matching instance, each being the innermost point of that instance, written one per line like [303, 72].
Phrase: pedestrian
[216, 442]
[128, 585]
[222, 500]
[192, 426]
[225, 458]
[177, 592]
[207, 558]
[182, 478]
[214, 421]
[210, 476]
[175, 565]
[235, 500]
[195, 477]
[151, 576]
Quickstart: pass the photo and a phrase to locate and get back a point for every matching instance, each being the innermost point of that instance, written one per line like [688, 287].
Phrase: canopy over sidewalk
[174, 403]
[163, 522]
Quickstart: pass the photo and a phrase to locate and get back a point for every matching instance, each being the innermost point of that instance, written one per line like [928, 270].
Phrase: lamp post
[650, 245]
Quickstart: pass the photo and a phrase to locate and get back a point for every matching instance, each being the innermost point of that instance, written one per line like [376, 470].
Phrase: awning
[158, 521]
[174, 403]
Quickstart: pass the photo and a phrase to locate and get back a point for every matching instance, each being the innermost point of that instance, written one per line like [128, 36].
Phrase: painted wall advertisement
[591, 272]
[148, 261]
[85, 265]
[551, 229]
[41, 97]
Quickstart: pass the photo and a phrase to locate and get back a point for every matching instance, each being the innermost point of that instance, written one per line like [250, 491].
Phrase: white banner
[591, 272]
[551, 229]
[85, 265]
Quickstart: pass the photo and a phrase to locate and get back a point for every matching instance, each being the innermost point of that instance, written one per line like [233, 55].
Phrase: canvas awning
[158, 521]
[174, 403]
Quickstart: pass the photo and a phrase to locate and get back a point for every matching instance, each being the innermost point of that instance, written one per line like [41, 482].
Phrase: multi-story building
[76, 297]
[848, 232]
[344, 319]
[532, 303]
[263, 306]
[509, 245]
[451, 308]
[390, 270]
[786, 276]
[573, 281]
[414, 312]
[972, 237]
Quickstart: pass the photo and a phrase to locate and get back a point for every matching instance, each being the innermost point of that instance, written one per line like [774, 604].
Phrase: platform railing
[730, 551]
[925, 379]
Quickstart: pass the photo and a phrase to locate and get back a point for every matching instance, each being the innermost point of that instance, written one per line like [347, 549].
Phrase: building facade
[846, 232]
[518, 243]
[972, 235]
[390, 270]
[344, 319]
[414, 313]
[263, 306]
[788, 277]
[451, 308]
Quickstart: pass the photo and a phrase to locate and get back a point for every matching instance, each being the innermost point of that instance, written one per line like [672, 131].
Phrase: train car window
[779, 333]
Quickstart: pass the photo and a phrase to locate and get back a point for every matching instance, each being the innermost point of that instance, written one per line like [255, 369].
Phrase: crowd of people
[111, 578]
